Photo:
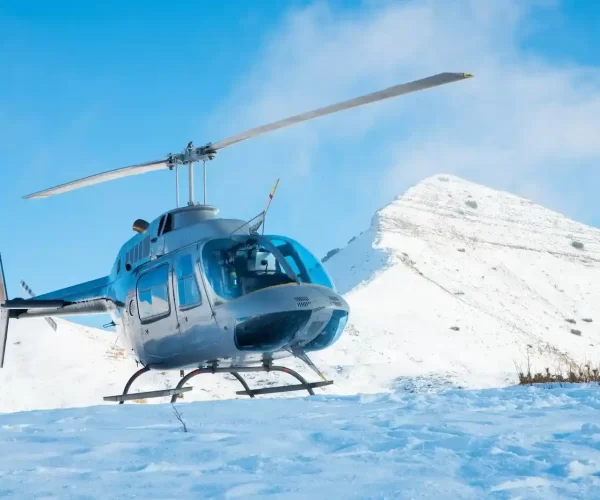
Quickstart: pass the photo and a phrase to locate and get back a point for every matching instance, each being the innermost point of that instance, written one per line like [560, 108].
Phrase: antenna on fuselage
[271, 195]
[263, 215]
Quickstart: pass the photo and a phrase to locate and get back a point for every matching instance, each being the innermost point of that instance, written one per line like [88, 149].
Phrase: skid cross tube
[133, 377]
[235, 371]
[243, 382]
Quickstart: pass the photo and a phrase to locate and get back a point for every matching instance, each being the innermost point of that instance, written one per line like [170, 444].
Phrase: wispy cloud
[523, 123]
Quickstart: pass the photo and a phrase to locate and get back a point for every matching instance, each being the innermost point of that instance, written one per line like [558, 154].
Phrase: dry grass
[571, 374]
[179, 417]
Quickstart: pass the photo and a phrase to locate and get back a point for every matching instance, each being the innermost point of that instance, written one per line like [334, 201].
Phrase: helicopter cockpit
[239, 265]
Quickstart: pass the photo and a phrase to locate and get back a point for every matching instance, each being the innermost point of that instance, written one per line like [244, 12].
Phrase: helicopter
[192, 291]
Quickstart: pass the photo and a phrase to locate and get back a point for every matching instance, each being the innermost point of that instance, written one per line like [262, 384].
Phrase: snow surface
[408, 282]
[494, 443]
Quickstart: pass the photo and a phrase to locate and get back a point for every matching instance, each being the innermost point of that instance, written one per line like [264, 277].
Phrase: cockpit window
[240, 265]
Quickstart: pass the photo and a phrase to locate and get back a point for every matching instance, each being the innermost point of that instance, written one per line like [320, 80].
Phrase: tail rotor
[49, 320]
[4, 315]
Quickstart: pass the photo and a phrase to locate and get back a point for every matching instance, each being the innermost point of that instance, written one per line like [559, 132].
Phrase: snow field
[524, 442]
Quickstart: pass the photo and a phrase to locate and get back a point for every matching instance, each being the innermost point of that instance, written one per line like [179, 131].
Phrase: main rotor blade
[404, 88]
[143, 168]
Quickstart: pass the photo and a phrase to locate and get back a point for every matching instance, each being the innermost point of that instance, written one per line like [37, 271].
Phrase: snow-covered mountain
[453, 283]
[458, 279]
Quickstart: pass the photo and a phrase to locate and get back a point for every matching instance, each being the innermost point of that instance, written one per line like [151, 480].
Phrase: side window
[168, 224]
[187, 286]
[160, 225]
[153, 294]
[147, 247]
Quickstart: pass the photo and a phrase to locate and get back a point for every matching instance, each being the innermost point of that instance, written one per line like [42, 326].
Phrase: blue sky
[87, 88]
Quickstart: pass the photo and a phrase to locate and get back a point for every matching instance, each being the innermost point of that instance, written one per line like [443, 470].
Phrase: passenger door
[160, 332]
[199, 331]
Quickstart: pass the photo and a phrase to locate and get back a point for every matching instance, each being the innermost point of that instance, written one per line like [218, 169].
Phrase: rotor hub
[191, 154]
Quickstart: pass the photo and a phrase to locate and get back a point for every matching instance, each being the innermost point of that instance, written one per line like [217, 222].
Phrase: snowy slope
[530, 443]
[504, 273]
[47, 369]
[499, 269]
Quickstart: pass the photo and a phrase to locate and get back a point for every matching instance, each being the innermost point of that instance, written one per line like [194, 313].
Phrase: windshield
[306, 266]
[240, 265]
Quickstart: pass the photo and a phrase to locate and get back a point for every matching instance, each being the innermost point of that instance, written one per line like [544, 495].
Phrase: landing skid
[284, 388]
[146, 395]
[304, 385]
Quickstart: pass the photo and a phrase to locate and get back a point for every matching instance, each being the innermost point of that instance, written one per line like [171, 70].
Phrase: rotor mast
[204, 175]
[191, 181]
[176, 186]
[190, 156]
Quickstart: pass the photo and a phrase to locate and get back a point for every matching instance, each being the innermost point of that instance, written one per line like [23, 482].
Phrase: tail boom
[91, 297]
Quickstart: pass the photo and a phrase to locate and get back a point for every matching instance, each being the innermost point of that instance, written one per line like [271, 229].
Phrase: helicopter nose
[273, 318]
[270, 331]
